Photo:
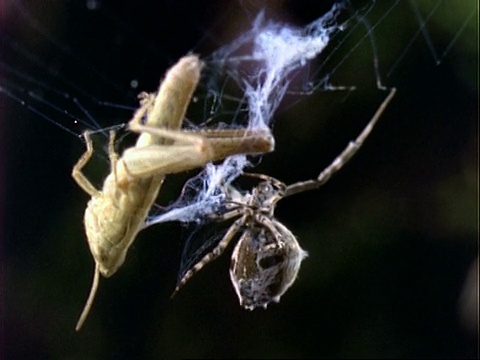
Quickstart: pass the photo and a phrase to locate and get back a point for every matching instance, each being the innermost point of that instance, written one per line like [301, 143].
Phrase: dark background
[391, 238]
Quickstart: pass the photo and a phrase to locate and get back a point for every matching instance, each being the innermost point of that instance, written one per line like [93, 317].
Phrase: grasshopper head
[109, 259]
[108, 237]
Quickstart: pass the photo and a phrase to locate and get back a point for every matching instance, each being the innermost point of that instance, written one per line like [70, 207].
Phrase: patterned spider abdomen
[265, 263]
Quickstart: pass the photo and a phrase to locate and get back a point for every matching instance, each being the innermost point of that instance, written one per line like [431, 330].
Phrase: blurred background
[392, 238]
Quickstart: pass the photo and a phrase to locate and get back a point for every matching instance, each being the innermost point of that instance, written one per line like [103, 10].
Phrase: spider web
[242, 62]
[278, 50]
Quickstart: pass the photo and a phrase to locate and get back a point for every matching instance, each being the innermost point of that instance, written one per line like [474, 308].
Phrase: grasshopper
[116, 213]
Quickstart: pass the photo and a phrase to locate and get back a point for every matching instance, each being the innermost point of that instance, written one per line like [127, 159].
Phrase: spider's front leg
[345, 156]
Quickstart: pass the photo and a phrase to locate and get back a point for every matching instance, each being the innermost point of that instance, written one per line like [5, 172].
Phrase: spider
[267, 257]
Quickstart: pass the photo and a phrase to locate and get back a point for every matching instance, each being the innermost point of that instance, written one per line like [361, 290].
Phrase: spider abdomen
[265, 263]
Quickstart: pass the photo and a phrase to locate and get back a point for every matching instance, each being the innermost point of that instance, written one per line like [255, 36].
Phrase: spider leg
[215, 253]
[344, 157]
[270, 179]
[227, 216]
[267, 178]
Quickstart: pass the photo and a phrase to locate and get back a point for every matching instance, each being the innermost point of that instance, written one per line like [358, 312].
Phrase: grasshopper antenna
[91, 297]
